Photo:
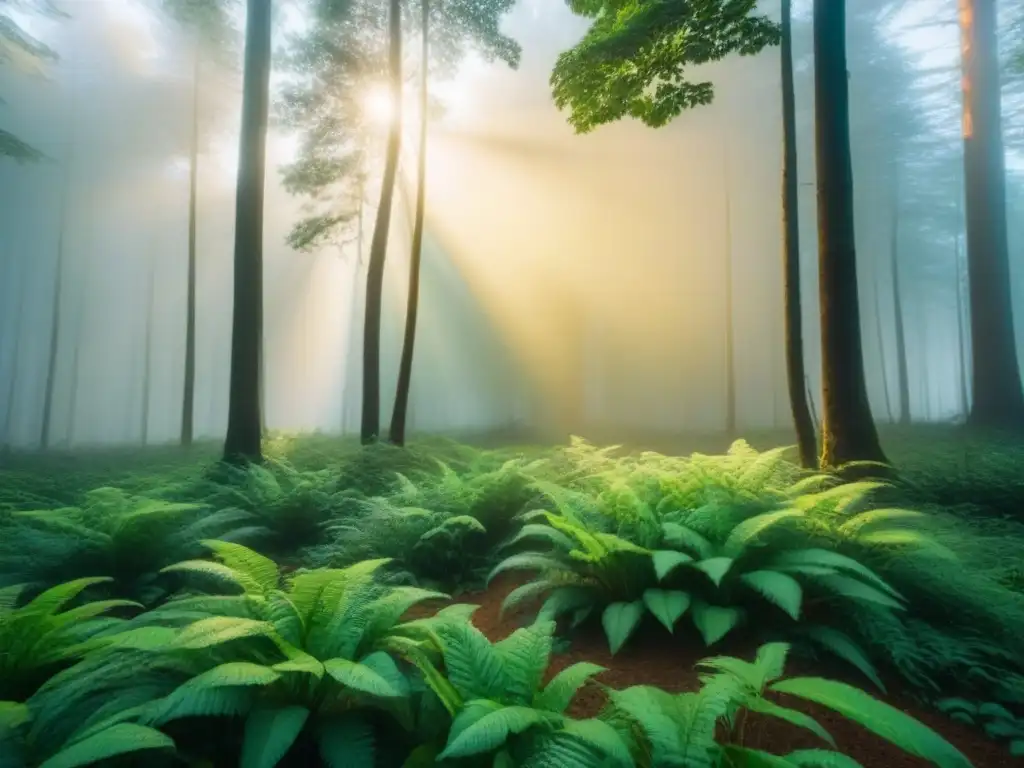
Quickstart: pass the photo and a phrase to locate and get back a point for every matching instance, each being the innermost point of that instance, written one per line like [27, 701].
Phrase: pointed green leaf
[778, 588]
[619, 621]
[667, 605]
[713, 621]
[716, 568]
[667, 560]
[269, 734]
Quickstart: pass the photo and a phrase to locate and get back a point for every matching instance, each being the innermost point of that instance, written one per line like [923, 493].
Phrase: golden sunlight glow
[378, 106]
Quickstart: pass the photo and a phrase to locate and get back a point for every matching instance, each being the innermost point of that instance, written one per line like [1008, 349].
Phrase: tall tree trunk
[263, 382]
[730, 322]
[807, 442]
[883, 366]
[926, 379]
[12, 384]
[147, 376]
[965, 400]
[848, 431]
[188, 397]
[900, 321]
[370, 428]
[244, 433]
[401, 410]
[998, 400]
[75, 357]
[353, 308]
[51, 365]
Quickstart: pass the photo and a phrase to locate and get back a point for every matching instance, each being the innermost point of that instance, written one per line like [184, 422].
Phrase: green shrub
[805, 589]
[40, 637]
[112, 534]
[307, 656]
[504, 716]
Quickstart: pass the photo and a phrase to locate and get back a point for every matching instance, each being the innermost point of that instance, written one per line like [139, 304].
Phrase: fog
[567, 280]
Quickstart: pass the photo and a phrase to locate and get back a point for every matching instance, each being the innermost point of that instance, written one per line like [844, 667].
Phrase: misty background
[554, 265]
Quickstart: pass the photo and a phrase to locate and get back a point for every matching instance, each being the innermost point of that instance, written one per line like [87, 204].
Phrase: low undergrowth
[882, 577]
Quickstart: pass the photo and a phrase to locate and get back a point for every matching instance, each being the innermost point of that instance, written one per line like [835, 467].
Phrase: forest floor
[974, 475]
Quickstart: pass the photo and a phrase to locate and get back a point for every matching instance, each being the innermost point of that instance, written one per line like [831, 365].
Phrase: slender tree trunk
[370, 428]
[147, 376]
[58, 290]
[75, 357]
[730, 322]
[244, 433]
[188, 398]
[965, 401]
[401, 410]
[51, 365]
[807, 442]
[883, 365]
[926, 379]
[900, 321]
[848, 431]
[998, 400]
[353, 308]
[12, 384]
[263, 383]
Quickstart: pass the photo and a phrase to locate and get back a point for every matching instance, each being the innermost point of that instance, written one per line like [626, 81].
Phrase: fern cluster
[749, 538]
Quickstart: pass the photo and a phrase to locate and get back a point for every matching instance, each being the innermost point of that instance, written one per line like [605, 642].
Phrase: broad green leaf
[362, 678]
[493, 729]
[716, 568]
[217, 571]
[713, 621]
[220, 629]
[602, 737]
[120, 739]
[666, 560]
[619, 621]
[269, 734]
[667, 605]
[778, 588]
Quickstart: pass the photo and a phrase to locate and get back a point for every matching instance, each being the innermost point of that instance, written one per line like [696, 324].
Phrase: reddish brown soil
[656, 658]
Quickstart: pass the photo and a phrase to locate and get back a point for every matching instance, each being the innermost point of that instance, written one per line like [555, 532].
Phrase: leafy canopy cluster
[333, 65]
[20, 50]
[634, 59]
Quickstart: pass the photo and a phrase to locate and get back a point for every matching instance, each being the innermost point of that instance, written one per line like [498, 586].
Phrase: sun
[378, 105]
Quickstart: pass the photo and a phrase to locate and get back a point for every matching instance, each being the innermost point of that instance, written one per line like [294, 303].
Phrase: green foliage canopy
[23, 52]
[633, 60]
[342, 54]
